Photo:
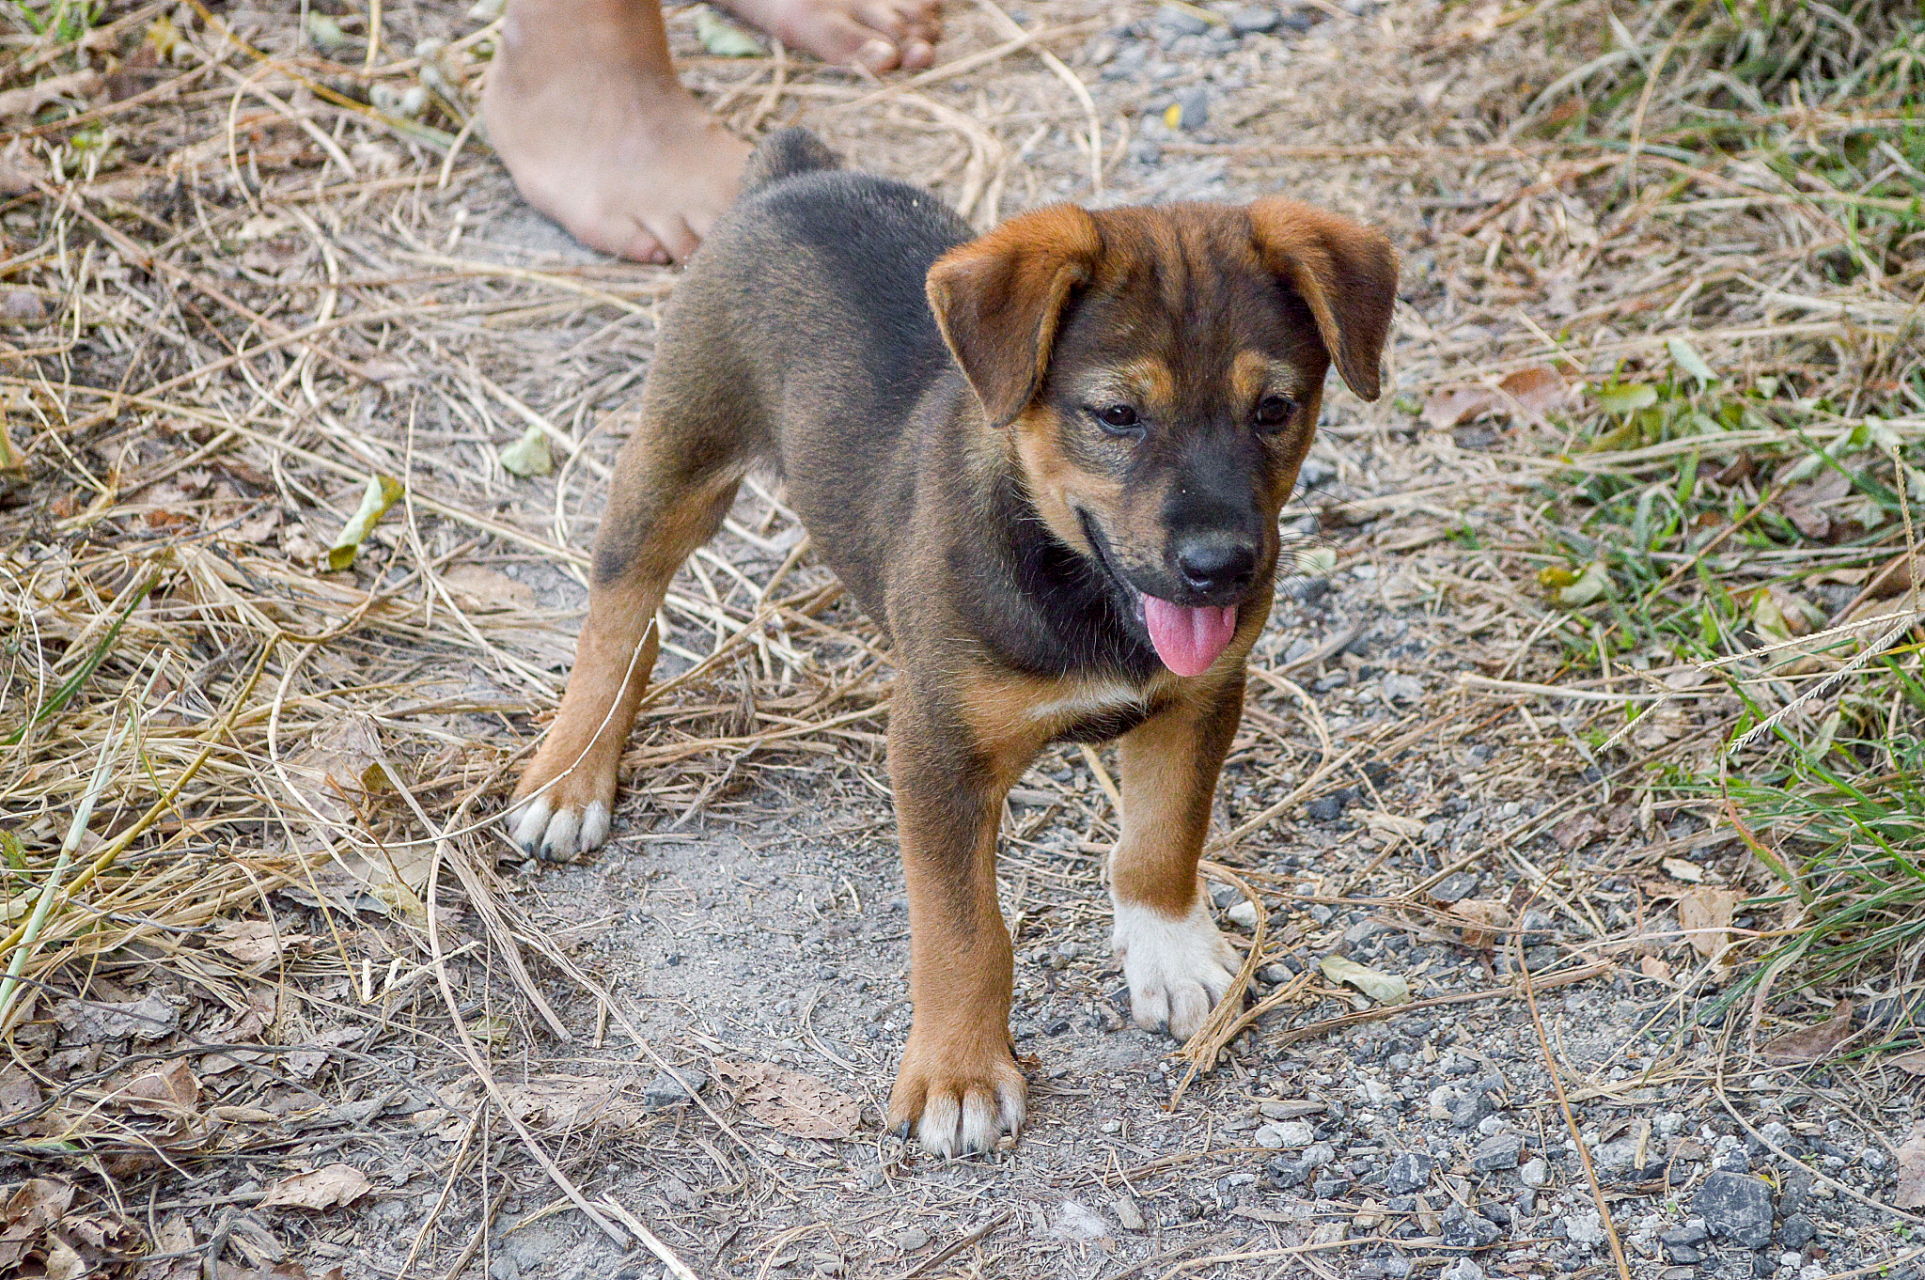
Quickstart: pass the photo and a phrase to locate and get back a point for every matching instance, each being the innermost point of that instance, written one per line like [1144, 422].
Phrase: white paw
[1177, 968]
[558, 835]
[951, 1129]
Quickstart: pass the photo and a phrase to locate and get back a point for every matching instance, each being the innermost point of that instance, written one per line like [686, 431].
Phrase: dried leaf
[477, 587]
[1686, 357]
[1483, 920]
[335, 1184]
[92, 1021]
[723, 38]
[1653, 967]
[529, 455]
[1577, 831]
[253, 941]
[1384, 988]
[1449, 406]
[564, 1104]
[1809, 1044]
[381, 494]
[1912, 1063]
[1705, 917]
[171, 1092]
[25, 102]
[1679, 869]
[1911, 1170]
[1537, 390]
[790, 1101]
[37, 1204]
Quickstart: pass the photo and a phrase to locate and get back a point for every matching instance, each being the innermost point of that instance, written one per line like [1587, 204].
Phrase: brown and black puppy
[1049, 462]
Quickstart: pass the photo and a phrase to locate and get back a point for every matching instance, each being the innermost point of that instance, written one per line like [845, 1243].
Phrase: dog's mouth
[1188, 638]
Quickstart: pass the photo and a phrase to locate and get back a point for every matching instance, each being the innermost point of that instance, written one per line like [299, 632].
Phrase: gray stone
[1328, 809]
[1535, 1172]
[1616, 1156]
[1454, 888]
[1409, 1171]
[1181, 21]
[913, 1239]
[1254, 20]
[1293, 1134]
[1402, 688]
[1463, 1230]
[1463, 1269]
[1680, 1243]
[1500, 1152]
[1585, 1229]
[666, 1091]
[1318, 1155]
[1469, 1109]
[1797, 1231]
[1735, 1206]
[1193, 107]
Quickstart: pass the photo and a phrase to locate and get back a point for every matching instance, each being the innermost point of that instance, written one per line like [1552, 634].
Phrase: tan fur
[964, 723]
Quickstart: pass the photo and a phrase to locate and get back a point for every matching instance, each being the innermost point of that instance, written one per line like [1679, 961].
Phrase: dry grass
[236, 283]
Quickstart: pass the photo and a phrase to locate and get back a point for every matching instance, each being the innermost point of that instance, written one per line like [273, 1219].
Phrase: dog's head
[1159, 374]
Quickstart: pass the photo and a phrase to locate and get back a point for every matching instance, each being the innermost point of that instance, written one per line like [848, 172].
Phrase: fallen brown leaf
[1537, 390]
[253, 941]
[790, 1101]
[1809, 1044]
[1481, 919]
[1577, 831]
[1911, 1170]
[92, 1021]
[1705, 916]
[1654, 967]
[1912, 1063]
[24, 102]
[326, 1187]
[170, 1092]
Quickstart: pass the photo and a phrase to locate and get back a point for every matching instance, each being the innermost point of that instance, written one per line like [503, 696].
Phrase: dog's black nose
[1214, 564]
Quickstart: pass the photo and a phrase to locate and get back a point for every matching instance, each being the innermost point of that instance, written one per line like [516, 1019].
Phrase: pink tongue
[1188, 640]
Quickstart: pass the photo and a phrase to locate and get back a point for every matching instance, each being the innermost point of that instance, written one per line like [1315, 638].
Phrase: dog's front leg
[1177, 963]
[959, 1087]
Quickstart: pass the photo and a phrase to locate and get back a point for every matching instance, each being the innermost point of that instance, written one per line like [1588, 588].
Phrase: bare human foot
[583, 106]
[881, 35]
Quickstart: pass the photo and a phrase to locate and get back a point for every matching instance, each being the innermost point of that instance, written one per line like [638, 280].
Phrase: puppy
[1049, 462]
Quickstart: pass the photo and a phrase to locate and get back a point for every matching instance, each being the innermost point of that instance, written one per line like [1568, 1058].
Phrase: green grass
[1677, 535]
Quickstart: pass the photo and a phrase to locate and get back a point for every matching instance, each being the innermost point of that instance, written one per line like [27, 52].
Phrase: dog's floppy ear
[1345, 274]
[998, 299]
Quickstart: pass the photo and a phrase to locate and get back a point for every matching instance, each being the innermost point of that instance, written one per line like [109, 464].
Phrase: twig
[1564, 1103]
[937, 1259]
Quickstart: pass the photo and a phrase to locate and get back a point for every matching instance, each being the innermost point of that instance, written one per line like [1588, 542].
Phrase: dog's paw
[557, 834]
[959, 1097]
[1177, 968]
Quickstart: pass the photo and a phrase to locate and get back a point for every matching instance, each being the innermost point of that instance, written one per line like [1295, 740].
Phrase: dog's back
[803, 331]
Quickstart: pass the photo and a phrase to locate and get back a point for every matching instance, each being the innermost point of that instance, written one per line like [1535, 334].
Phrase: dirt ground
[1404, 794]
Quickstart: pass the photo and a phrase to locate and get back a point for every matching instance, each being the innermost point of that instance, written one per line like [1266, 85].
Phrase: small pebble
[1534, 1173]
[913, 1239]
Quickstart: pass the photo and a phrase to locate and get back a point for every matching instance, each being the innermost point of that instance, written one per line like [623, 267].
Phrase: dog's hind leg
[1177, 963]
[673, 483]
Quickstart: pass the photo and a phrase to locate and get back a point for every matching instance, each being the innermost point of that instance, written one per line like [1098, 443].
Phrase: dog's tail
[785, 154]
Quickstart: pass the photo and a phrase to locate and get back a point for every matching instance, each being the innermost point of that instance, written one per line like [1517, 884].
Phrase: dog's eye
[1275, 410]
[1121, 419]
